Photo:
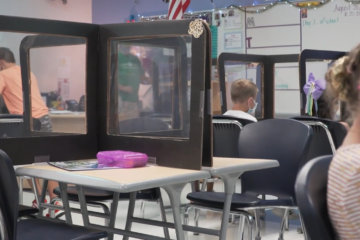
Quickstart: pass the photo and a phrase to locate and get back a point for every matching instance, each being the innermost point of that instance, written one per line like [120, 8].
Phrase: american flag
[177, 8]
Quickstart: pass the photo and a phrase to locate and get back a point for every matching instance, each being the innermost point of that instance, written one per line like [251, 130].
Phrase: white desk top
[238, 165]
[135, 179]
[117, 180]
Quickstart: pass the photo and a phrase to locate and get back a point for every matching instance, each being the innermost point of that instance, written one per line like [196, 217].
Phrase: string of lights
[260, 9]
[248, 9]
[353, 2]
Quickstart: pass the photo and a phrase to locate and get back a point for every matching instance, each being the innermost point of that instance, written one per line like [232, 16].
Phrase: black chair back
[337, 130]
[321, 143]
[226, 134]
[10, 127]
[243, 122]
[142, 124]
[310, 188]
[9, 196]
[82, 103]
[284, 140]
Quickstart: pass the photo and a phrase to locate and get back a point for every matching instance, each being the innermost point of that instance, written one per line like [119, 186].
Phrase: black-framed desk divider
[169, 126]
[246, 66]
[310, 61]
[288, 63]
[180, 104]
[39, 42]
[29, 148]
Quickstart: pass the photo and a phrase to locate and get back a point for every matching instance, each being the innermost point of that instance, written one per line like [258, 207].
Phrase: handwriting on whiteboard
[320, 21]
[351, 10]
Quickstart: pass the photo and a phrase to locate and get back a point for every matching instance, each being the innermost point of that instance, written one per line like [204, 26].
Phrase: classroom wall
[44, 63]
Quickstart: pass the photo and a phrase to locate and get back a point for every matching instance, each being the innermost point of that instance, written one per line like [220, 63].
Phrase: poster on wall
[64, 63]
[64, 88]
[233, 41]
[230, 31]
[233, 20]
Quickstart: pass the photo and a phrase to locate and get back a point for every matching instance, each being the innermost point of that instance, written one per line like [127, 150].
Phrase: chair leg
[257, 224]
[287, 223]
[250, 221]
[282, 227]
[142, 209]
[196, 219]
[241, 227]
[163, 217]
[186, 219]
[303, 227]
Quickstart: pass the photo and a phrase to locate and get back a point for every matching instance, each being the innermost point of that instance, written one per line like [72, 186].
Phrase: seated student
[344, 173]
[11, 90]
[243, 95]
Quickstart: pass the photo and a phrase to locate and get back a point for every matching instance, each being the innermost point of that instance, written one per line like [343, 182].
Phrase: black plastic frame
[192, 148]
[267, 105]
[271, 61]
[38, 41]
[314, 55]
[64, 147]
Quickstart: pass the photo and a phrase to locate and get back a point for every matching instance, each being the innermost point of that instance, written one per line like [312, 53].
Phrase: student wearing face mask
[243, 95]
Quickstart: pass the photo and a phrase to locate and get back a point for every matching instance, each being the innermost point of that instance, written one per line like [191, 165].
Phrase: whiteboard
[334, 26]
[284, 30]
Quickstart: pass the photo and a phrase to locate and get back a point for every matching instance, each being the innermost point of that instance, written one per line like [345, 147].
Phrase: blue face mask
[252, 110]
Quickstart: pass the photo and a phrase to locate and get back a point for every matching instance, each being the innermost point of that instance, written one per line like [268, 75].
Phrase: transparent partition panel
[216, 93]
[150, 87]
[57, 83]
[235, 70]
[287, 90]
[59, 76]
[327, 106]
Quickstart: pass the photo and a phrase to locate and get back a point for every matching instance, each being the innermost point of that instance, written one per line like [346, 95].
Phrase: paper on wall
[233, 21]
[233, 41]
[64, 63]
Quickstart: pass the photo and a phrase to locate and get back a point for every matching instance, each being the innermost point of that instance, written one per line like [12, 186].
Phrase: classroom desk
[172, 180]
[74, 122]
[131, 180]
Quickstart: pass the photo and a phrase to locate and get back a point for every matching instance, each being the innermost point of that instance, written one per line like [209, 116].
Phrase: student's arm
[2, 83]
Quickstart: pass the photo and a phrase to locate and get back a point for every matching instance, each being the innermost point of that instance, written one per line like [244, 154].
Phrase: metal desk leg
[113, 211]
[130, 213]
[163, 217]
[230, 183]
[65, 200]
[83, 205]
[42, 196]
[174, 192]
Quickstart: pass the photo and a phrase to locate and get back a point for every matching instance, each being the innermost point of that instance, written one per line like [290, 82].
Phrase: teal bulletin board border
[214, 41]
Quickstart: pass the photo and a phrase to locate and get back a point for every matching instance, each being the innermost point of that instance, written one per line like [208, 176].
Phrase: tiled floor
[270, 226]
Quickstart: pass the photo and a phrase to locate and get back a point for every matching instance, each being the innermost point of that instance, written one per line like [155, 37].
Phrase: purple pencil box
[121, 159]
